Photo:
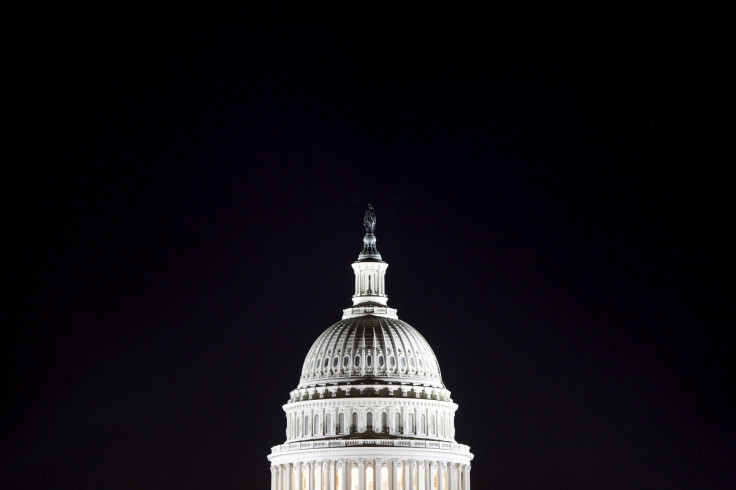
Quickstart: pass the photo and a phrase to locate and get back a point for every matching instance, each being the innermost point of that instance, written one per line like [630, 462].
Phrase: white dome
[370, 410]
[371, 350]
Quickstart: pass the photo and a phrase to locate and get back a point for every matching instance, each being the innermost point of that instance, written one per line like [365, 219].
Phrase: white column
[332, 476]
[344, 479]
[427, 475]
[440, 480]
[394, 475]
[407, 474]
[361, 474]
[310, 484]
[377, 474]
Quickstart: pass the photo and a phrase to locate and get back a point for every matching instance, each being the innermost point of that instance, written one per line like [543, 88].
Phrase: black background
[190, 198]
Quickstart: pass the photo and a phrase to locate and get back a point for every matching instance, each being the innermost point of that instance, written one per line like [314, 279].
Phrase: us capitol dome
[371, 411]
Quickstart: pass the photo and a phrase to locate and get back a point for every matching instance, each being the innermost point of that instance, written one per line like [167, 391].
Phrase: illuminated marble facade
[370, 411]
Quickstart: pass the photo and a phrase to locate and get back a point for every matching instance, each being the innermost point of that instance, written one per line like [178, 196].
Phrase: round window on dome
[392, 361]
[357, 360]
[411, 362]
[403, 361]
[335, 362]
[327, 362]
[368, 361]
[420, 363]
[380, 361]
[345, 361]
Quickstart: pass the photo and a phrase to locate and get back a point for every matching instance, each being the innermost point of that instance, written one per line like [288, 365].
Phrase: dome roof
[371, 349]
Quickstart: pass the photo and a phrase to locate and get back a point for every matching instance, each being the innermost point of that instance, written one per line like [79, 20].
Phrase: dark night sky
[190, 201]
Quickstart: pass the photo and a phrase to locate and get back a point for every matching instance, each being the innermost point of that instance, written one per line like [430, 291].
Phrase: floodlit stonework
[370, 411]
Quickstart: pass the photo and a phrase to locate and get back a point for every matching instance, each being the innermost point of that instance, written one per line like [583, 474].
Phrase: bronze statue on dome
[369, 221]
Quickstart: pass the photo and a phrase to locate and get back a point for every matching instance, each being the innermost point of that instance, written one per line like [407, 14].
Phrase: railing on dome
[295, 446]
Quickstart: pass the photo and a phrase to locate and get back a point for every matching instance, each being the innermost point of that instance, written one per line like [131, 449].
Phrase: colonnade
[370, 282]
[371, 474]
[394, 420]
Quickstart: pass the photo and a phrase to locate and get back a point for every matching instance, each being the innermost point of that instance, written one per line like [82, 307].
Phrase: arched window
[341, 423]
[397, 422]
[369, 484]
[328, 424]
[433, 427]
[306, 425]
[410, 423]
[369, 421]
[422, 424]
[316, 427]
[354, 423]
[299, 426]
